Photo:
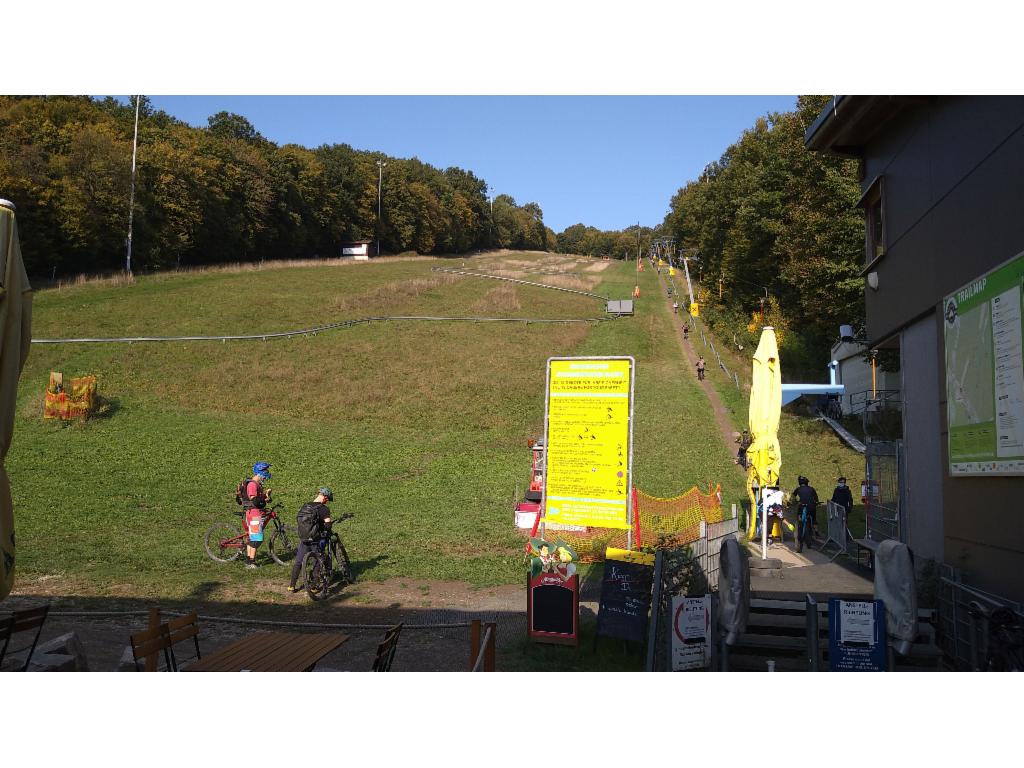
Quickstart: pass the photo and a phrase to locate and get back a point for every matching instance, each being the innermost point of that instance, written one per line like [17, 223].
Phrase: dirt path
[687, 348]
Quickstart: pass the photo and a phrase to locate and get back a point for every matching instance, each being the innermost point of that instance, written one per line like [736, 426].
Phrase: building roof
[849, 122]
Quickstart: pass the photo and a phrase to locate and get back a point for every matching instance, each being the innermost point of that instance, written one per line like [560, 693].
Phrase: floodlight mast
[131, 203]
[381, 165]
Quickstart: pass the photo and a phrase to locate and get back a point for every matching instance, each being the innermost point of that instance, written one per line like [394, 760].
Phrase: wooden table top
[271, 652]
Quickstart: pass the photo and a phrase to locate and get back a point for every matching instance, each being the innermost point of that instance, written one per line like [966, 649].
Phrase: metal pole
[131, 204]
[380, 181]
[764, 523]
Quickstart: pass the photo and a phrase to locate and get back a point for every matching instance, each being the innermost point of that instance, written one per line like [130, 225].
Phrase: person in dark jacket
[842, 496]
[806, 495]
[321, 514]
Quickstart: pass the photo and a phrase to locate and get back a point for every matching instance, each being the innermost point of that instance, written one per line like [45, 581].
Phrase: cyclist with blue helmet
[254, 499]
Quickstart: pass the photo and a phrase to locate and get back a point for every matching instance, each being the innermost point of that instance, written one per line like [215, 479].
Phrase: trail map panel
[588, 441]
[985, 373]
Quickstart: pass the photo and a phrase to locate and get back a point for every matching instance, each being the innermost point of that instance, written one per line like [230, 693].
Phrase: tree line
[224, 193]
[771, 216]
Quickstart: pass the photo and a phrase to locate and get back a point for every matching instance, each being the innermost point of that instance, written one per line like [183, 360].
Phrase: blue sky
[606, 161]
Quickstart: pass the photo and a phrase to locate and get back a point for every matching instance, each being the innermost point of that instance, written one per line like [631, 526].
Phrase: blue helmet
[262, 469]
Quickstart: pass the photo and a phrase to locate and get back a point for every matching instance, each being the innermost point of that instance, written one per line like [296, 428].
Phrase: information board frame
[973, 444]
[857, 639]
[626, 522]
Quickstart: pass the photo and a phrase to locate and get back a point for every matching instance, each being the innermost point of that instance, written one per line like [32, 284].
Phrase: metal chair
[386, 650]
[22, 621]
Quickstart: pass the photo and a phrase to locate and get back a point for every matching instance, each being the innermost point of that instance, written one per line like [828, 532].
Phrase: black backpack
[309, 521]
[241, 497]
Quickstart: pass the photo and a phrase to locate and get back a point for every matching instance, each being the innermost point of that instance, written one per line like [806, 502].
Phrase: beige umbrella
[764, 454]
[15, 339]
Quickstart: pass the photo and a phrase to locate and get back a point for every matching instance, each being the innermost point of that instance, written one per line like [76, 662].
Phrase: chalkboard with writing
[625, 599]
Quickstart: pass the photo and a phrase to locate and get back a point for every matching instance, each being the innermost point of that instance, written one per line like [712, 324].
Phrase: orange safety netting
[76, 404]
[657, 522]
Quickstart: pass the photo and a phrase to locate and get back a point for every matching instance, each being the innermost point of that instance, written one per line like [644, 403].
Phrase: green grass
[420, 428]
[809, 447]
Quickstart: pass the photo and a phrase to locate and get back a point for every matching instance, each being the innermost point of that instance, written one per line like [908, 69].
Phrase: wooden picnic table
[271, 652]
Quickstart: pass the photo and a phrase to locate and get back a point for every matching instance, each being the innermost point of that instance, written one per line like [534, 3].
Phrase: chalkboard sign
[553, 609]
[625, 595]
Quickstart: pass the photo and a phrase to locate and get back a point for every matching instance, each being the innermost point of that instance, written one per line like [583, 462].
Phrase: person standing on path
[675, 307]
[700, 368]
[686, 331]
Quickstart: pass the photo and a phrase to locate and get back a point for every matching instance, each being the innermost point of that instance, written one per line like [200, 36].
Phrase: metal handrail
[318, 329]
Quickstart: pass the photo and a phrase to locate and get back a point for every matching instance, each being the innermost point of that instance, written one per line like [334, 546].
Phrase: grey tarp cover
[895, 586]
[15, 340]
[733, 591]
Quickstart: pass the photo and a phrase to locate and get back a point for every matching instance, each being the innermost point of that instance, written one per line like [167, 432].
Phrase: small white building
[854, 372]
[358, 250]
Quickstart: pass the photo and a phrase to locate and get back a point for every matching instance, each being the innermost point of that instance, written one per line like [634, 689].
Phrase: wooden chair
[152, 641]
[22, 621]
[386, 650]
[180, 630]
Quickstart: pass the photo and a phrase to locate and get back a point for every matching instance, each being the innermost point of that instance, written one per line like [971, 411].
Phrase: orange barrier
[658, 523]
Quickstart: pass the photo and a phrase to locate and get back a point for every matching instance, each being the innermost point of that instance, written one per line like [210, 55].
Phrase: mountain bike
[226, 540]
[1003, 638]
[327, 560]
[804, 526]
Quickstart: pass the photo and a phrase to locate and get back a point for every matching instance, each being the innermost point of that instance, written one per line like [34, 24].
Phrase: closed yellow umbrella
[15, 339]
[764, 455]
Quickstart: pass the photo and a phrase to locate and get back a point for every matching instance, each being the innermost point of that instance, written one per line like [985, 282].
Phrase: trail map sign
[589, 441]
[985, 373]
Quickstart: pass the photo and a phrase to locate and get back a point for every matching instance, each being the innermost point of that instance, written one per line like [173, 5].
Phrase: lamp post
[131, 203]
[381, 165]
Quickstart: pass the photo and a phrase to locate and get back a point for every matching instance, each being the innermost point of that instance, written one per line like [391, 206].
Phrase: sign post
[588, 427]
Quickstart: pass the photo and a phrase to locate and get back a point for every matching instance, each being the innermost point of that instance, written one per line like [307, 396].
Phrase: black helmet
[802, 480]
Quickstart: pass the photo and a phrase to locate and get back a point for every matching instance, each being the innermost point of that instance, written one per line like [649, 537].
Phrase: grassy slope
[809, 447]
[419, 427]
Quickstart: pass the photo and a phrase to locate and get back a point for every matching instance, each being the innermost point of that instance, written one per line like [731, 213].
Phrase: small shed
[356, 249]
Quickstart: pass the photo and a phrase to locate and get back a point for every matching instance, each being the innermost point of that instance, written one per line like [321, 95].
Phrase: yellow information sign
[695, 309]
[589, 441]
[671, 271]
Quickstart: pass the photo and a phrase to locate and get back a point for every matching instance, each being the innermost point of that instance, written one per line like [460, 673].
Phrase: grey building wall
[954, 201]
[954, 208]
[923, 505]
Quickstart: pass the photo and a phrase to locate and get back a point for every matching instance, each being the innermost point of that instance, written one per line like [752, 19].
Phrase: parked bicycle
[1003, 638]
[327, 560]
[226, 540]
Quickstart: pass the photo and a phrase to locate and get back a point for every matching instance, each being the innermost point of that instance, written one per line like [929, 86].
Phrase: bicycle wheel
[801, 532]
[314, 569]
[224, 541]
[341, 562]
[282, 546]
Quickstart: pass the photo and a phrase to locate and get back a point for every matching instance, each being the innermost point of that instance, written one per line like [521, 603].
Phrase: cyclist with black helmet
[254, 497]
[805, 496]
[314, 521]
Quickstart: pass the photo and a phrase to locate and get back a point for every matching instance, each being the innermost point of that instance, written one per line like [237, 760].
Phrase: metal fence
[884, 467]
[690, 570]
[837, 534]
[963, 631]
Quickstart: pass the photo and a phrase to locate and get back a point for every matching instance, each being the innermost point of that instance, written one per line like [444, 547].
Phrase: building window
[873, 203]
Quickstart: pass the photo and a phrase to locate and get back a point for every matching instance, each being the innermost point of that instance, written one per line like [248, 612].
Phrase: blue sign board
[856, 636]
